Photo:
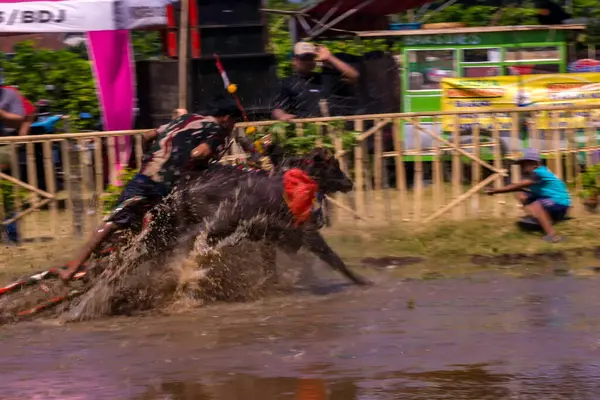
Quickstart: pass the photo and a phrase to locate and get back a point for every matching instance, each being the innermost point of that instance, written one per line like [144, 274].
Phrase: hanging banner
[56, 16]
[487, 94]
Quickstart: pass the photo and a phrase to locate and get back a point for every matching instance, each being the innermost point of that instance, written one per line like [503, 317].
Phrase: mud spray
[233, 270]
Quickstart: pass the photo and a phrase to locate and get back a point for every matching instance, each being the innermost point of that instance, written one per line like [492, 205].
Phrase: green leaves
[33, 69]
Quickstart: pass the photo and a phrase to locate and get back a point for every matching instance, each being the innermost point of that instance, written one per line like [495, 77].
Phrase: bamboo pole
[418, 175]
[51, 185]
[476, 167]
[591, 140]
[358, 172]
[183, 53]
[85, 195]
[557, 147]
[345, 208]
[400, 170]
[456, 169]
[32, 178]
[457, 147]
[515, 144]
[569, 138]
[139, 151]
[438, 173]
[463, 197]
[376, 128]
[16, 173]
[497, 162]
[378, 173]
[99, 172]
[31, 209]
[66, 169]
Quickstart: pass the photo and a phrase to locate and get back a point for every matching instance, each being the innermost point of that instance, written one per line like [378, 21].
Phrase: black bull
[223, 199]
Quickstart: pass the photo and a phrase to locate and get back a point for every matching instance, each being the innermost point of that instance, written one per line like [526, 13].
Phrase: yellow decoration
[232, 88]
[493, 93]
[251, 130]
[259, 146]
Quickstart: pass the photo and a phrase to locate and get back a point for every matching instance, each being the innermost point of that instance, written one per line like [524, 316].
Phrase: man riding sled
[188, 142]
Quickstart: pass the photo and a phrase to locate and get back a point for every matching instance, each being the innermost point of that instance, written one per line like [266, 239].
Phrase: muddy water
[486, 337]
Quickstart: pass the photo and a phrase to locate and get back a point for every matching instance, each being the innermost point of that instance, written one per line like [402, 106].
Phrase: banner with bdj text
[487, 94]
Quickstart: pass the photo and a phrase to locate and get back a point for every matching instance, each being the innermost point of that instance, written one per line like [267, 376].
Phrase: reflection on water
[476, 339]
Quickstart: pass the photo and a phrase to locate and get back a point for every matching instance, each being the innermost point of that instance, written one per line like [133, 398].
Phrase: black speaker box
[157, 92]
[255, 75]
[240, 39]
[229, 12]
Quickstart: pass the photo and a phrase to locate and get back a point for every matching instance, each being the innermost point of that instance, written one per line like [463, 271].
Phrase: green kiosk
[428, 55]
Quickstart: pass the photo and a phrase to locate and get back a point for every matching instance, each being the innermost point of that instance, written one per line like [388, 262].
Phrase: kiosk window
[481, 55]
[426, 68]
[533, 53]
[533, 69]
[481, 72]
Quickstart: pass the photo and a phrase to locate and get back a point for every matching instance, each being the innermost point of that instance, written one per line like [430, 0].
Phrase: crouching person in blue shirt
[544, 196]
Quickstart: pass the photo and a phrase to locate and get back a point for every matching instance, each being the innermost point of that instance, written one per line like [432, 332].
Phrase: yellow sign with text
[487, 94]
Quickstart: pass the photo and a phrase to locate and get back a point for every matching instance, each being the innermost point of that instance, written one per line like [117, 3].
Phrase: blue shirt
[548, 186]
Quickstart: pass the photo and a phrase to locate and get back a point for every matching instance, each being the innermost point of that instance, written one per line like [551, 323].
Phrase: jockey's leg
[98, 237]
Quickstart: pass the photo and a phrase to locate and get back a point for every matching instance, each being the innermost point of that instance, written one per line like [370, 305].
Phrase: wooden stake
[51, 185]
[397, 131]
[463, 197]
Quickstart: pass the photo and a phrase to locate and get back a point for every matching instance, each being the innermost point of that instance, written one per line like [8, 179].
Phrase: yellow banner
[487, 94]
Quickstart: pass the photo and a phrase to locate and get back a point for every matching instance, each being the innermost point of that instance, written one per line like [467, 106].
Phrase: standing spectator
[300, 93]
[12, 117]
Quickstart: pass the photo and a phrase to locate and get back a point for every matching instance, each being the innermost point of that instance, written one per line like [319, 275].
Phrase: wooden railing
[404, 168]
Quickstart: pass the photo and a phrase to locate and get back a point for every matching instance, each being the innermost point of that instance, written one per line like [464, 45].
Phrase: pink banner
[113, 66]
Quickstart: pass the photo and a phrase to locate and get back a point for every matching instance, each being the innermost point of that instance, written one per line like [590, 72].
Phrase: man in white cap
[300, 93]
[543, 195]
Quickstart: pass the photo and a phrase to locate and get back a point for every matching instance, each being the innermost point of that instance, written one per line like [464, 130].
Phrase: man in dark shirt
[300, 93]
[189, 141]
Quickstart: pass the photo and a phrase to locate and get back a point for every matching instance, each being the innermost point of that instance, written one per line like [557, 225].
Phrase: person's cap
[222, 106]
[304, 49]
[530, 155]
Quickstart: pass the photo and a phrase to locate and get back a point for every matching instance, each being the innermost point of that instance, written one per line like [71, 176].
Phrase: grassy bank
[441, 244]
[462, 239]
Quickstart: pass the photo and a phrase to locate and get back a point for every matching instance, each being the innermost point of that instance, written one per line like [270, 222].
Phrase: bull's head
[325, 169]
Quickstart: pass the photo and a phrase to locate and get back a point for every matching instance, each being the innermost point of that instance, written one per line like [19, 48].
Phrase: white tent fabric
[80, 15]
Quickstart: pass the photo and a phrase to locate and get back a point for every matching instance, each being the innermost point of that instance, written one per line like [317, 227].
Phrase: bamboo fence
[397, 180]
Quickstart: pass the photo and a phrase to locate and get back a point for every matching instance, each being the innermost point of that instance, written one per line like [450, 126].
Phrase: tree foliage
[32, 70]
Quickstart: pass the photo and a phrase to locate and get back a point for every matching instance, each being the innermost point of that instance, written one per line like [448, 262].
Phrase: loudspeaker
[255, 75]
[228, 12]
[222, 27]
[157, 91]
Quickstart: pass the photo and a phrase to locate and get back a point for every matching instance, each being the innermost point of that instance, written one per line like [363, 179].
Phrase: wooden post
[183, 53]
[99, 170]
[51, 187]
[569, 136]
[456, 169]
[85, 195]
[497, 161]
[34, 198]
[139, 151]
[16, 173]
[557, 145]
[476, 167]
[400, 170]
[378, 175]
[591, 140]
[66, 170]
[359, 177]
[438, 175]
[418, 173]
[516, 146]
